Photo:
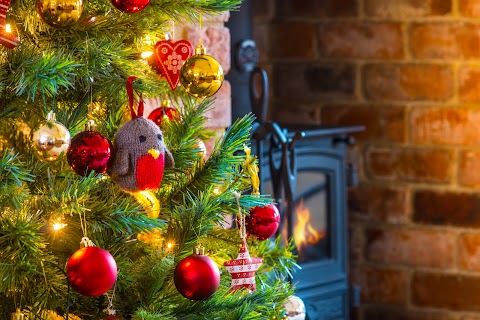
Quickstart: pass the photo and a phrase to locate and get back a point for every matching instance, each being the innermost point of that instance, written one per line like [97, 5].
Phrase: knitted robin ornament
[141, 154]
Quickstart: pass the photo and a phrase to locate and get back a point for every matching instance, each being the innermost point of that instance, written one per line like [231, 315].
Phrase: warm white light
[170, 245]
[8, 28]
[58, 226]
[146, 54]
[216, 191]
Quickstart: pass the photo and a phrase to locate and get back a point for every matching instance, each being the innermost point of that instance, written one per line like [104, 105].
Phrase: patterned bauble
[91, 271]
[165, 113]
[263, 222]
[90, 150]
[295, 308]
[197, 277]
[60, 14]
[170, 57]
[201, 75]
[50, 139]
[130, 6]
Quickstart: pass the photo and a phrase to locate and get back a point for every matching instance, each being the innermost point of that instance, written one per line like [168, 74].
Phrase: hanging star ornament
[243, 269]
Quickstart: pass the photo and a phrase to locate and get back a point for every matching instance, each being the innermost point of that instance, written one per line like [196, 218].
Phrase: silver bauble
[50, 139]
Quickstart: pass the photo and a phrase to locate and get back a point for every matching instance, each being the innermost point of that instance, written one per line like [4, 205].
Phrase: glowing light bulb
[57, 226]
[170, 245]
[146, 54]
[216, 191]
[8, 28]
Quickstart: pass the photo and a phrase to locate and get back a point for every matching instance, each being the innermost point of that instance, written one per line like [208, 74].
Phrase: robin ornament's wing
[169, 162]
[121, 164]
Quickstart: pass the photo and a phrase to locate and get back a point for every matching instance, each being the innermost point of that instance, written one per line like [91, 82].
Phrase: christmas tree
[88, 228]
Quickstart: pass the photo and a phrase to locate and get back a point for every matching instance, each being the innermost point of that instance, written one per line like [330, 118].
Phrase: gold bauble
[60, 13]
[50, 139]
[18, 315]
[201, 75]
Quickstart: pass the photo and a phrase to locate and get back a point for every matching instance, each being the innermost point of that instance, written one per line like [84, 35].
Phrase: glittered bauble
[197, 277]
[295, 308]
[164, 114]
[170, 57]
[91, 271]
[201, 75]
[50, 138]
[60, 14]
[263, 222]
[130, 6]
[90, 150]
[243, 269]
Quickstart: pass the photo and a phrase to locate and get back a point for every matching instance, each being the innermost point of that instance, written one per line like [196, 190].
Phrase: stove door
[319, 227]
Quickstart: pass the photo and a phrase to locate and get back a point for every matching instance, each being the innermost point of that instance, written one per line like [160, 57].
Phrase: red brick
[469, 169]
[216, 40]
[220, 115]
[378, 203]
[356, 243]
[413, 165]
[315, 80]
[418, 248]
[262, 10]
[382, 123]
[293, 40]
[446, 40]
[406, 9]
[446, 126]
[469, 249]
[324, 8]
[381, 285]
[360, 40]
[469, 84]
[381, 312]
[446, 208]
[295, 112]
[408, 82]
[469, 8]
[261, 36]
[446, 291]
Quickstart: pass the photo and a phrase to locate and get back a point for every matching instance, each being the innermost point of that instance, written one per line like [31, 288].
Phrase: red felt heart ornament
[170, 57]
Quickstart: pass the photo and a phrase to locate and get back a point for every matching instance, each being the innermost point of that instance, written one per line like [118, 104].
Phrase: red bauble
[263, 222]
[90, 150]
[91, 271]
[112, 317]
[197, 277]
[164, 113]
[130, 6]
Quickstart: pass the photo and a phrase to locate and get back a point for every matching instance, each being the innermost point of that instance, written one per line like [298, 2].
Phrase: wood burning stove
[305, 170]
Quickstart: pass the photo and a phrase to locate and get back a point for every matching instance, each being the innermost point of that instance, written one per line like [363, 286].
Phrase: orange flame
[304, 233]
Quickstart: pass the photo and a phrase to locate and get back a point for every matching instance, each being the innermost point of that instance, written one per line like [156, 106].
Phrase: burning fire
[304, 233]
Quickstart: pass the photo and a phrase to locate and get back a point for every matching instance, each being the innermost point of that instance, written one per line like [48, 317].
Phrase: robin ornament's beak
[155, 153]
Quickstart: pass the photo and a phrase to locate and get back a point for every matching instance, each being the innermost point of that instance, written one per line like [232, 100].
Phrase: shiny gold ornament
[50, 139]
[19, 315]
[201, 75]
[60, 13]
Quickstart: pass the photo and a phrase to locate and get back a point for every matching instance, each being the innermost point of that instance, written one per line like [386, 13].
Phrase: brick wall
[409, 70]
